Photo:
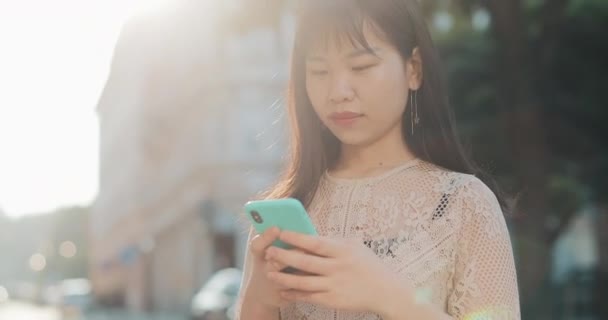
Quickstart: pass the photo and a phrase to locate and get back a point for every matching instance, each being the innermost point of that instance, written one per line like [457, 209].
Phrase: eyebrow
[353, 54]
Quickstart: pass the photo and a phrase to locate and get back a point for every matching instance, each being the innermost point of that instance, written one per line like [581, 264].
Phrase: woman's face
[359, 95]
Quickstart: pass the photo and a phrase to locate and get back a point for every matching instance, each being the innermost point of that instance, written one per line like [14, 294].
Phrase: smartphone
[286, 214]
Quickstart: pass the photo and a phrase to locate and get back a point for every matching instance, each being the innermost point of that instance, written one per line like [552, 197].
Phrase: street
[22, 311]
[14, 310]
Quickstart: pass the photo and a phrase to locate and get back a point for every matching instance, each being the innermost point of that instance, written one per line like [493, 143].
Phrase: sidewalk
[125, 315]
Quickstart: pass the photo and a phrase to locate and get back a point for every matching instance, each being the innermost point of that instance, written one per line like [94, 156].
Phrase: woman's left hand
[342, 274]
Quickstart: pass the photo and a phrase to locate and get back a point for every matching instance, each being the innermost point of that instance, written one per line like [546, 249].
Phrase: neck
[388, 151]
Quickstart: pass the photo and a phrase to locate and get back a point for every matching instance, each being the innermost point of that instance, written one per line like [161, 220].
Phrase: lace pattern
[441, 231]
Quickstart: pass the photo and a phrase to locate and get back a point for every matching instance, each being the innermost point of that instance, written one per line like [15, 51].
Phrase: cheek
[387, 94]
[397, 93]
[399, 86]
[316, 94]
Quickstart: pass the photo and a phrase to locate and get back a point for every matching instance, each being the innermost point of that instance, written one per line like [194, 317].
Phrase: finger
[297, 282]
[320, 298]
[267, 256]
[275, 266]
[300, 260]
[260, 242]
[320, 246]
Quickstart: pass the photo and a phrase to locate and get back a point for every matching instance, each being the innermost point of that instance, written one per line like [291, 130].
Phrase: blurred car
[4, 296]
[52, 295]
[26, 291]
[76, 297]
[219, 294]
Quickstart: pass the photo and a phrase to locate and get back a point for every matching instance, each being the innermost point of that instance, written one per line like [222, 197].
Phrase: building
[190, 129]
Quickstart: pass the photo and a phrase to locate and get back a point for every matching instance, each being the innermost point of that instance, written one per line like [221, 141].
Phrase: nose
[340, 89]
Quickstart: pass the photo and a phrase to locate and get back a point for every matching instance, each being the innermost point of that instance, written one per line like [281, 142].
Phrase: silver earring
[415, 119]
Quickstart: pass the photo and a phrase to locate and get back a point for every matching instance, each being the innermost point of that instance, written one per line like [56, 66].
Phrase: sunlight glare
[55, 61]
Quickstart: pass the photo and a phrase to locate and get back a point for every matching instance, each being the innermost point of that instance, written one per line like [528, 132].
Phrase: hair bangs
[337, 23]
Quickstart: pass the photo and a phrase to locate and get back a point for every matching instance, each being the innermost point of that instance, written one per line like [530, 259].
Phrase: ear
[414, 70]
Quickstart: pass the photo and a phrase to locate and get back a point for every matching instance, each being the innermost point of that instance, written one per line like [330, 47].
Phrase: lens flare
[490, 313]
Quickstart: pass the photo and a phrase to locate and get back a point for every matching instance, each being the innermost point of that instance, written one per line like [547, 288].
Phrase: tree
[530, 95]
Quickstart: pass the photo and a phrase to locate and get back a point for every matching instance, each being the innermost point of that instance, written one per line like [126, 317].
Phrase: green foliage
[567, 52]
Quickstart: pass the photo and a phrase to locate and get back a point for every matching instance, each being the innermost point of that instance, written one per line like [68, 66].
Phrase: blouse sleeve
[485, 280]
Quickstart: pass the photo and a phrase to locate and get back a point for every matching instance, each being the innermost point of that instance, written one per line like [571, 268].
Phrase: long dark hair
[313, 150]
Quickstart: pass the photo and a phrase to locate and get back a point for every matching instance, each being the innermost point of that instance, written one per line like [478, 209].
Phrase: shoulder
[467, 187]
[473, 191]
[453, 183]
[474, 198]
[480, 209]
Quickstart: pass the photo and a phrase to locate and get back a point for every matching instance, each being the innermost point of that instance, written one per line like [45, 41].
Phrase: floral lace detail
[440, 231]
[485, 281]
[385, 247]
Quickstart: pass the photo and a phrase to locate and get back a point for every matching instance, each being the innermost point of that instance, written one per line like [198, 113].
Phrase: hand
[259, 287]
[343, 274]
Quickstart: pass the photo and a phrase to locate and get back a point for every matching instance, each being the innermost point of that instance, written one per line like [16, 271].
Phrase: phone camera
[256, 216]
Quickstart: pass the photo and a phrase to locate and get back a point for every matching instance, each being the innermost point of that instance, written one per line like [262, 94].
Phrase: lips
[345, 117]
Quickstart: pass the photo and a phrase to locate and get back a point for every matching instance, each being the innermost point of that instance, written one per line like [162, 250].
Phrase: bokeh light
[67, 249]
[37, 262]
[490, 314]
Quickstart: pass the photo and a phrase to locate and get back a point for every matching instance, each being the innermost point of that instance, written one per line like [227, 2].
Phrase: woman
[407, 229]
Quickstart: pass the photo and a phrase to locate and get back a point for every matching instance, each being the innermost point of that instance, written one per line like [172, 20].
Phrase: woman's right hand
[260, 289]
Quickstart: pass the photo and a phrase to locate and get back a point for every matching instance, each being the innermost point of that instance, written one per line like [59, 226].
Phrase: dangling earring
[415, 119]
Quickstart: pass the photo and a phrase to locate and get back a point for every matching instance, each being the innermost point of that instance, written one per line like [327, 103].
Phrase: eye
[318, 72]
[363, 67]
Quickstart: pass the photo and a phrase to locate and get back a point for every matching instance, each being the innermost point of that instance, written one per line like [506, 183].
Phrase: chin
[353, 139]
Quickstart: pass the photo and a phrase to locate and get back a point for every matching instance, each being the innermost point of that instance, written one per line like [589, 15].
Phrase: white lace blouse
[442, 232]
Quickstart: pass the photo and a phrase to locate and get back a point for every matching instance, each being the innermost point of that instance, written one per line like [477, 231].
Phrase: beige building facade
[190, 128]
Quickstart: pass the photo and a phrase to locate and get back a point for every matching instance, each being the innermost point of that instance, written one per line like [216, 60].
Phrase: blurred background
[132, 131]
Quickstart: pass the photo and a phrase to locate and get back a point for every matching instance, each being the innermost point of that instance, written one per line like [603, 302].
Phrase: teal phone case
[286, 214]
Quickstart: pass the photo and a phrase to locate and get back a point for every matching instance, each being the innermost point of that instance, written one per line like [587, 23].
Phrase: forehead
[340, 42]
